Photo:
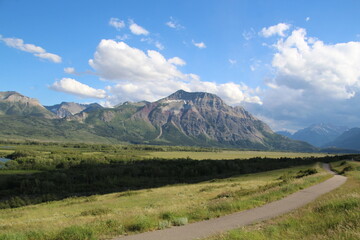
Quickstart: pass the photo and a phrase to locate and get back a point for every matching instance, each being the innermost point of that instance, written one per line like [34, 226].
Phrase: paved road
[213, 226]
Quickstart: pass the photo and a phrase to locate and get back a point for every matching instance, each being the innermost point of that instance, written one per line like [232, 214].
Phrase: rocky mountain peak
[15, 97]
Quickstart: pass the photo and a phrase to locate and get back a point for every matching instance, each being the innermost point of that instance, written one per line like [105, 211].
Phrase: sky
[289, 63]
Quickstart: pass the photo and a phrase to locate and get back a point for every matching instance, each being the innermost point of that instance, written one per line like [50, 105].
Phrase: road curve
[213, 226]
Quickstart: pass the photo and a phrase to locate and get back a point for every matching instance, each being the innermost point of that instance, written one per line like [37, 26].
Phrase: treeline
[99, 178]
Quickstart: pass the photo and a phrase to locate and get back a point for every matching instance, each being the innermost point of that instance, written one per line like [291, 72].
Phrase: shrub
[164, 224]
[139, 224]
[307, 172]
[76, 233]
[180, 221]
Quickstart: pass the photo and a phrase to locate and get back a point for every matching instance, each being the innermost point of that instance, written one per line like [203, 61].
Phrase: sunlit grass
[335, 215]
[143, 210]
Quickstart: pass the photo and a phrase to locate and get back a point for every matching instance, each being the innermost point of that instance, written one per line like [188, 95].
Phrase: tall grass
[109, 215]
[335, 215]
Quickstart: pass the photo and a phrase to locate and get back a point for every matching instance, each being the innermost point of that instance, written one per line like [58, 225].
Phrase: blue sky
[290, 63]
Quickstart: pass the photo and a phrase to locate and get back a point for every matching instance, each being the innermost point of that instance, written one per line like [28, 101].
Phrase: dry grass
[113, 214]
[335, 215]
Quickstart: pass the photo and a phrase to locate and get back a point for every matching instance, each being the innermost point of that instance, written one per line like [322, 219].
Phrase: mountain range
[183, 118]
[318, 135]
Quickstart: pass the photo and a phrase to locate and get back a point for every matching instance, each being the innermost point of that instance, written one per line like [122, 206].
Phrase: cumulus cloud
[149, 76]
[117, 23]
[173, 23]
[69, 85]
[31, 48]
[199, 45]
[278, 29]
[118, 61]
[177, 61]
[137, 30]
[313, 82]
[331, 71]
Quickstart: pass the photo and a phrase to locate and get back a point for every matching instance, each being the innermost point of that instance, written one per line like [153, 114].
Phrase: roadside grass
[228, 154]
[335, 215]
[104, 216]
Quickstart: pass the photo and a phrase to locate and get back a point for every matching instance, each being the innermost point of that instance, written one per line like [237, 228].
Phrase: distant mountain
[348, 140]
[183, 118]
[318, 134]
[285, 133]
[14, 104]
[66, 109]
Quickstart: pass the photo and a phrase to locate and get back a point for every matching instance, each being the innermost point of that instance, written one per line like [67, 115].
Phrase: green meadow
[103, 216]
[52, 191]
[335, 215]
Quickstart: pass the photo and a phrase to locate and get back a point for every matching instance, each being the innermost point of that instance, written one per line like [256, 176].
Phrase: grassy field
[335, 215]
[103, 216]
[228, 154]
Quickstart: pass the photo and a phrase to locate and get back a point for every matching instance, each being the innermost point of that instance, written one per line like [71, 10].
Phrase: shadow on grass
[83, 180]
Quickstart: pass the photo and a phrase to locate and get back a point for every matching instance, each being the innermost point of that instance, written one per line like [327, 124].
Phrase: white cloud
[31, 48]
[278, 29]
[137, 30]
[177, 61]
[157, 44]
[173, 23]
[199, 45]
[313, 82]
[307, 19]
[118, 61]
[70, 70]
[331, 71]
[232, 61]
[150, 76]
[69, 85]
[117, 23]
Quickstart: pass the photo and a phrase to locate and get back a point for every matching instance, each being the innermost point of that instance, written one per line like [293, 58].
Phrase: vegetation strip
[335, 215]
[206, 228]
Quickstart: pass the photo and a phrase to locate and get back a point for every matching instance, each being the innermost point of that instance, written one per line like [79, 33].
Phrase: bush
[307, 172]
[76, 233]
[164, 224]
[139, 224]
[180, 221]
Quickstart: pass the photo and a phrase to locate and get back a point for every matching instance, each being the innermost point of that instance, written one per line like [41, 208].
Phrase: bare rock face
[202, 114]
[66, 109]
[13, 103]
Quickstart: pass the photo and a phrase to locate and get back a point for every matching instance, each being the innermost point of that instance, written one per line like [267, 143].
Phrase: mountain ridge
[182, 118]
[317, 134]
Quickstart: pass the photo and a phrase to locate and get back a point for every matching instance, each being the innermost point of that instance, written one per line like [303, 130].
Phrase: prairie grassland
[335, 215]
[104, 216]
[228, 154]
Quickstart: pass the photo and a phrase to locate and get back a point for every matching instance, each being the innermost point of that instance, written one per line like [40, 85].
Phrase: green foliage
[82, 175]
[307, 172]
[333, 216]
[139, 223]
[76, 233]
[180, 221]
